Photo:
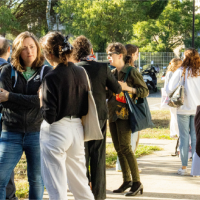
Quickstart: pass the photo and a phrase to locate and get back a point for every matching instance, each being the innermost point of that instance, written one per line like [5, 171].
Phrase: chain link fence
[147, 59]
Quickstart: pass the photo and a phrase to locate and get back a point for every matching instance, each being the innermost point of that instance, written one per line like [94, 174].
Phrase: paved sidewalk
[159, 176]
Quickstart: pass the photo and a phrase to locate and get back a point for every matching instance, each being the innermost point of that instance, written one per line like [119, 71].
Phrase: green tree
[8, 22]
[25, 15]
[105, 20]
[172, 28]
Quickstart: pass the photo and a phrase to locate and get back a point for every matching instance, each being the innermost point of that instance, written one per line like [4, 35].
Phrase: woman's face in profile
[135, 55]
[29, 52]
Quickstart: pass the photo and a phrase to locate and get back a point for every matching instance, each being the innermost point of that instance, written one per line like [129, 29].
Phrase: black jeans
[95, 152]
[11, 189]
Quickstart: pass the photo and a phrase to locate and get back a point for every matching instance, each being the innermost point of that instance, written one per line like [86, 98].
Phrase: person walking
[64, 100]
[132, 56]
[101, 77]
[188, 75]
[118, 117]
[4, 55]
[174, 64]
[21, 117]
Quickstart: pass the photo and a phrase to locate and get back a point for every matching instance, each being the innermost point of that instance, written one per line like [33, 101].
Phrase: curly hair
[117, 47]
[17, 48]
[131, 49]
[191, 63]
[55, 43]
[82, 48]
[174, 64]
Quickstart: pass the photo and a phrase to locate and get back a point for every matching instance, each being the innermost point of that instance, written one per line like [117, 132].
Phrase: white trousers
[63, 159]
[174, 130]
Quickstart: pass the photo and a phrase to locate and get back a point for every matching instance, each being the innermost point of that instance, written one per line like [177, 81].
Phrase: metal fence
[147, 59]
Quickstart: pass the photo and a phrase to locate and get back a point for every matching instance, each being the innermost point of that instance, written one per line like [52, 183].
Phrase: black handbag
[139, 113]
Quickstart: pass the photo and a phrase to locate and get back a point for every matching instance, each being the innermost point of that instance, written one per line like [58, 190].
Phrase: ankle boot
[125, 185]
[136, 187]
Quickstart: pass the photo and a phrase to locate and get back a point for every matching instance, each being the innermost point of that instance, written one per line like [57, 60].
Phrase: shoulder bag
[139, 113]
[177, 97]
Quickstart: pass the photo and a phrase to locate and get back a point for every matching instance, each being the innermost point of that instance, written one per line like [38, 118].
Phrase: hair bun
[66, 44]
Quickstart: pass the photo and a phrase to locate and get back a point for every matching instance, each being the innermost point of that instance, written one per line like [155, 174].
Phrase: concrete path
[154, 100]
[159, 176]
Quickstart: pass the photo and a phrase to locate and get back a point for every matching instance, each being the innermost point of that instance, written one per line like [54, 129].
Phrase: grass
[161, 120]
[111, 154]
[21, 182]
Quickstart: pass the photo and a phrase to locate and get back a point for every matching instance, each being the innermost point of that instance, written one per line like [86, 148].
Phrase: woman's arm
[6, 88]
[139, 88]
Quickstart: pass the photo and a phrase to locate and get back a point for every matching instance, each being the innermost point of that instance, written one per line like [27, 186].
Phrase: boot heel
[141, 191]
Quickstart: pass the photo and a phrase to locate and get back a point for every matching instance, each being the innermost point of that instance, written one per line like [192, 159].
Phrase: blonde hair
[174, 64]
[191, 62]
[17, 47]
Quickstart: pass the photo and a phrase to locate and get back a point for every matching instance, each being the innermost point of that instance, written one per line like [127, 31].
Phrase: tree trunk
[48, 16]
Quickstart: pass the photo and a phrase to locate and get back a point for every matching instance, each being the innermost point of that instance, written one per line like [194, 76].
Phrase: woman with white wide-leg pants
[64, 100]
[63, 159]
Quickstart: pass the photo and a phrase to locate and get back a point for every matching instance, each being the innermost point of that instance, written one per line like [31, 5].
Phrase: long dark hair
[131, 49]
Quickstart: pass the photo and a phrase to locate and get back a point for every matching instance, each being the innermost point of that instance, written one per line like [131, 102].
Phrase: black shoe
[136, 187]
[123, 187]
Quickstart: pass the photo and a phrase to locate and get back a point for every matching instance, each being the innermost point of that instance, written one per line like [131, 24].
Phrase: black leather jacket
[21, 113]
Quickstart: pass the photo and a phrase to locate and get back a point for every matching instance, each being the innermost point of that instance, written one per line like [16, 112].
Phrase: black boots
[135, 188]
[123, 187]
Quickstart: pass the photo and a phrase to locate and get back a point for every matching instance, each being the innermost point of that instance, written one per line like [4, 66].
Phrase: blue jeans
[186, 128]
[12, 145]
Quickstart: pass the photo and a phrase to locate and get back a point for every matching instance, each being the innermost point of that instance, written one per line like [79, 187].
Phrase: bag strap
[14, 74]
[88, 80]
[42, 72]
[127, 73]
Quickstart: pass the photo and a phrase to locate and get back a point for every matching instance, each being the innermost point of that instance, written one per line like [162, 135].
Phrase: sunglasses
[110, 54]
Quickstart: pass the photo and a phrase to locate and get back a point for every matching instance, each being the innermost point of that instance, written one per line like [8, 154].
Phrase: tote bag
[139, 113]
[92, 130]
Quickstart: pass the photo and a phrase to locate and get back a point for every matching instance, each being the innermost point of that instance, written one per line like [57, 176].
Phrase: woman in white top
[174, 64]
[185, 114]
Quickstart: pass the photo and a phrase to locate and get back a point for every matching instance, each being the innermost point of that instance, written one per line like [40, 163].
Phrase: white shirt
[192, 92]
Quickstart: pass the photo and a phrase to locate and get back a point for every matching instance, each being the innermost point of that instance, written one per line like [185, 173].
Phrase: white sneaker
[182, 172]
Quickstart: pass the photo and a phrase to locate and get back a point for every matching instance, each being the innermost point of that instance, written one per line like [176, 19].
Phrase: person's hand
[123, 85]
[4, 94]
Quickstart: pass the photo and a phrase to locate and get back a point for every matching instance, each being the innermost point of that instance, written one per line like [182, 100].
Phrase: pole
[193, 23]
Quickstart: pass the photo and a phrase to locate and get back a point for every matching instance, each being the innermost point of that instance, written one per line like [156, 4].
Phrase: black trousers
[95, 153]
[10, 189]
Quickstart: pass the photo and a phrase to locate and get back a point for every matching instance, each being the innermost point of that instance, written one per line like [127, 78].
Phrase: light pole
[193, 23]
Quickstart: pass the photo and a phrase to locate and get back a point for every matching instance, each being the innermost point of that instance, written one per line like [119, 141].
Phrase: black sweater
[101, 77]
[65, 93]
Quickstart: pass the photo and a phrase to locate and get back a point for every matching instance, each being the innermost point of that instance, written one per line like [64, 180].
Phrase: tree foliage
[171, 29]
[103, 21]
[27, 14]
[8, 22]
